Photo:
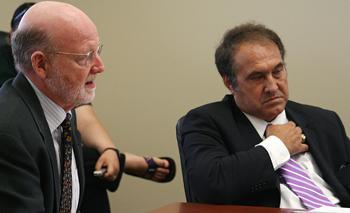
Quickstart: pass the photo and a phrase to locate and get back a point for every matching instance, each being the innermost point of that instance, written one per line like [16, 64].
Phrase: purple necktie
[301, 184]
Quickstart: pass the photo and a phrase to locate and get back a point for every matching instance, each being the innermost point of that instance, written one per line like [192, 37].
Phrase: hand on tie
[291, 135]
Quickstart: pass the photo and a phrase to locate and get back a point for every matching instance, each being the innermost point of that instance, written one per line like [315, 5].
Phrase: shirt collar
[54, 114]
[260, 125]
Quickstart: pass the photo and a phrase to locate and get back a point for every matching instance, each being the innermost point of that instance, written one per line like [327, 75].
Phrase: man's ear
[40, 64]
[228, 83]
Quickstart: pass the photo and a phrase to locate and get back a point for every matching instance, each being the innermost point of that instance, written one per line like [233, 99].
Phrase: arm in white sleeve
[278, 152]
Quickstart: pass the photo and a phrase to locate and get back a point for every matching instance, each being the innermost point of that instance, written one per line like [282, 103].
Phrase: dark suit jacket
[222, 164]
[29, 180]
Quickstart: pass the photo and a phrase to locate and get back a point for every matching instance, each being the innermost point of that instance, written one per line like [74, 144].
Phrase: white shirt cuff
[278, 152]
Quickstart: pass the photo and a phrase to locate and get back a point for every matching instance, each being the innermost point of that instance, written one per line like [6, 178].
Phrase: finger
[305, 147]
[110, 171]
[298, 130]
[161, 162]
[158, 177]
[110, 175]
[267, 130]
[303, 138]
[162, 170]
[291, 123]
[99, 163]
[107, 174]
[112, 168]
[159, 174]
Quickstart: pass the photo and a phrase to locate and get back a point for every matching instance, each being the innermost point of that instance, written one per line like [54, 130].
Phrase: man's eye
[277, 72]
[90, 56]
[81, 59]
[256, 77]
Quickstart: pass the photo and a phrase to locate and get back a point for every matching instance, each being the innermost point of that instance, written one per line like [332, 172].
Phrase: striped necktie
[66, 162]
[303, 186]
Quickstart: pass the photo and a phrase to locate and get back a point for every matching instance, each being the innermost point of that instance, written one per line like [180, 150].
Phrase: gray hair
[25, 42]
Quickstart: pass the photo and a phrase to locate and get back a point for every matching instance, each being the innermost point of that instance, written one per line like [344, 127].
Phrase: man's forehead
[246, 45]
[256, 51]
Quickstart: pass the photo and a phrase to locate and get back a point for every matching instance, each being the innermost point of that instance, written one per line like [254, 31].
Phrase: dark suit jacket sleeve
[220, 171]
[19, 178]
[343, 173]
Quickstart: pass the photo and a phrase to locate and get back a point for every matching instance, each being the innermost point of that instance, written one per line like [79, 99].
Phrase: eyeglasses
[84, 59]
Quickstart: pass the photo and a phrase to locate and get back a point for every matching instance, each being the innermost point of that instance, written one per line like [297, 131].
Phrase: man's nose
[270, 84]
[98, 66]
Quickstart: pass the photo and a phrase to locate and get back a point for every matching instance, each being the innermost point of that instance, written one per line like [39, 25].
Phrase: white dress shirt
[55, 115]
[279, 155]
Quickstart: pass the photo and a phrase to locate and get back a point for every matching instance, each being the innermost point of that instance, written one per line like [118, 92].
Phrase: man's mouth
[90, 84]
[272, 99]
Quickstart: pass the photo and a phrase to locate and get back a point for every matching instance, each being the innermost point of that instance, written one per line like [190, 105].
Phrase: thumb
[99, 163]
[162, 163]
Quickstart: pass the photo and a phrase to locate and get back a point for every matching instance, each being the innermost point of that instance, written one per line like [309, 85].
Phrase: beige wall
[159, 64]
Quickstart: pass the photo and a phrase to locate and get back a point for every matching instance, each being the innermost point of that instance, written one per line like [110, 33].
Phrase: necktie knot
[264, 135]
[66, 122]
[67, 130]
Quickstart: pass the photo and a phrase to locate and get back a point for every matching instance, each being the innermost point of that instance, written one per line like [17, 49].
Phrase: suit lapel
[301, 122]
[246, 135]
[314, 149]
[26, 92]
[311, 139]
[246, 130]
[78, 156]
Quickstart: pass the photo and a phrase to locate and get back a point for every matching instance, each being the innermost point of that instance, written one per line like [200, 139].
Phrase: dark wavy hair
[250, 32]
[18, 14]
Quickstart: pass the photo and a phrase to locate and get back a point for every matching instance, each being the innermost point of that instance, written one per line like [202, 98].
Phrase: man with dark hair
[254, 146]
[7, 70]
[245, 33]
[18, 14]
